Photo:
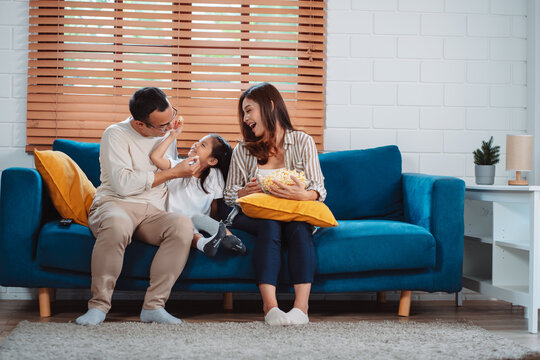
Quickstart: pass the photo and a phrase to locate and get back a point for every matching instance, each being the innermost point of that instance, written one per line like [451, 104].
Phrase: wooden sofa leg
[45, 301]
[228, 301]
[381, 297]
[405, 303]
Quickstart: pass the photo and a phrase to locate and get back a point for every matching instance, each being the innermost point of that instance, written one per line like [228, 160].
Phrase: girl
[270, 143]
[197, 196]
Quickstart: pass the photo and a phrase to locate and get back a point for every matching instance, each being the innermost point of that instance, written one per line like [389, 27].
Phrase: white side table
[501, 254]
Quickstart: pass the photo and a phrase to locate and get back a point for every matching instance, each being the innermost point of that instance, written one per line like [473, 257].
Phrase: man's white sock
[160, 316]
[92, 317]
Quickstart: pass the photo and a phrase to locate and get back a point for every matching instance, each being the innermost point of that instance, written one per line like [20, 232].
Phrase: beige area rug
[255, 340]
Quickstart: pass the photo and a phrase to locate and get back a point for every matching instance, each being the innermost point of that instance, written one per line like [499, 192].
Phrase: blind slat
[54, 33]
[139, 10]
[94, 86]
[245, 60]
[195, 135]
[254, 49]
[170, 17]
[174, 26]
[225, 106]
[166, 50]
[112, 43]
[43, 67]
[46, 76]
[172, 93]
[282, 3]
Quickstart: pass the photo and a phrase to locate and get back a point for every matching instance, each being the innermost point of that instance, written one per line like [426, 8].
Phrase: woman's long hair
[222, 151]
[273, 110]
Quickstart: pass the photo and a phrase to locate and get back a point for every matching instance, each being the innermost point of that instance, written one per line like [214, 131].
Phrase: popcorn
[283, 176]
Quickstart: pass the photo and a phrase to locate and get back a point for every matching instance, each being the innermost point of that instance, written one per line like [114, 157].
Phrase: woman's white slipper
[276, 317]
[297, 317]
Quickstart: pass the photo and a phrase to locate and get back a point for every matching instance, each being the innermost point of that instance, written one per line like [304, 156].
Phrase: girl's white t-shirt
[186, 196]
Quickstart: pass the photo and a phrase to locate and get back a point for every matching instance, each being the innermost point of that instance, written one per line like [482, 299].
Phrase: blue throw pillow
[364, 183]
[86, 155]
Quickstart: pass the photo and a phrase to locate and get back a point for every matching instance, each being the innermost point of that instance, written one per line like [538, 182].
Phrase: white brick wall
[13, 55]
[440, 76]
[14, 59]
[432, 76]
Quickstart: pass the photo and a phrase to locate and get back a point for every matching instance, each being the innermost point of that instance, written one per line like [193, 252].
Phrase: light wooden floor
[496, 316]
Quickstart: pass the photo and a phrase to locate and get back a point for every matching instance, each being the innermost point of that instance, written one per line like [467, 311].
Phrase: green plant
[487, 154]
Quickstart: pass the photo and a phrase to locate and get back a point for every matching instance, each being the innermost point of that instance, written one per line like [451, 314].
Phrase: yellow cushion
[70, 190]
[265, 206]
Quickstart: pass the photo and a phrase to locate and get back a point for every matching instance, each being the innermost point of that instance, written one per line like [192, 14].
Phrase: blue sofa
[396, 232]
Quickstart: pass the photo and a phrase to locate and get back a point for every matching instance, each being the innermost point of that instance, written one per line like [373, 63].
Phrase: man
[130, 203]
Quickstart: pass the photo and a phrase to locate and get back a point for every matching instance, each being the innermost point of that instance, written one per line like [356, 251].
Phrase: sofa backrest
[86, 155]
[364, 183]
[360, 183]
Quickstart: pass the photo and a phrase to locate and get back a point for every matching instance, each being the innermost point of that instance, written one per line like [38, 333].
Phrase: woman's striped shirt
[300, 154]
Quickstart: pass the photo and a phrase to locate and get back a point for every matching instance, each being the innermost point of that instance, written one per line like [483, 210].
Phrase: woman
[270, 143]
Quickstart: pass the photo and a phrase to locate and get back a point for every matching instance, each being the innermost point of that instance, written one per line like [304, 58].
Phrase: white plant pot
[485, 174]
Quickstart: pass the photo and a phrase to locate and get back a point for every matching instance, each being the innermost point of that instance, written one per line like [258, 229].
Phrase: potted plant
[485, 159]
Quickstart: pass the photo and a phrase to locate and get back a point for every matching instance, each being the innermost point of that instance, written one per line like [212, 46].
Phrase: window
[88, 57]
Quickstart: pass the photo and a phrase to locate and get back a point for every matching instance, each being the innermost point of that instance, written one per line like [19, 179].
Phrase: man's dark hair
[145, 101]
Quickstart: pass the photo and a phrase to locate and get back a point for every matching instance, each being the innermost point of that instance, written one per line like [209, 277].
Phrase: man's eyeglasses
[162, 127]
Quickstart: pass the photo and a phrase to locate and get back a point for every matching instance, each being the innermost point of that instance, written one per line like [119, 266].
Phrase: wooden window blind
[88, 57]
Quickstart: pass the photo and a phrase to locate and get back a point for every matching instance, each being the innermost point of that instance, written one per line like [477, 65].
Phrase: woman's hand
[297, 191]
[250, 188]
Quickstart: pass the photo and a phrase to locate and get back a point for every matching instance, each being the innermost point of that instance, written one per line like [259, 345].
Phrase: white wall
[434, 77]
[13, 71]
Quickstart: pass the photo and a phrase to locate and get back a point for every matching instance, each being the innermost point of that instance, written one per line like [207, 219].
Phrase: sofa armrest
[436, 203]
[21, 211]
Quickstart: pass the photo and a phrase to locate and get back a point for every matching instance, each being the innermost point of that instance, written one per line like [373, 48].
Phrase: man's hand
[250, 188]
[297, 191]
[187, 167]
[195, 164]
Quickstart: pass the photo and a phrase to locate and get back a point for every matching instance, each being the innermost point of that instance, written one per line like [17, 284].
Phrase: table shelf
[480, 238]
[515, 294]
[501, 254]
[519, 246]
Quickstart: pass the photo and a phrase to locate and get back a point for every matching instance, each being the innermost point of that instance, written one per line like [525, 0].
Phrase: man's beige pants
[114, 222]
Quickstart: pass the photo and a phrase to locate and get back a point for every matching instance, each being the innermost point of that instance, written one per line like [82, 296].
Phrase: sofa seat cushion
[71, 249]
[368, 245]
[351, 247]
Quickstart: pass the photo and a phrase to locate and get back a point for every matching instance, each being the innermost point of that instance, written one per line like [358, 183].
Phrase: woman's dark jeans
[270, 235]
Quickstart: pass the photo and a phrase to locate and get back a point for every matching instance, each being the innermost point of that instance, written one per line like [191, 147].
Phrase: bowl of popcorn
[283, 176]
